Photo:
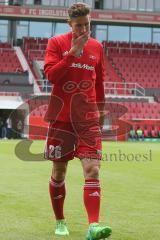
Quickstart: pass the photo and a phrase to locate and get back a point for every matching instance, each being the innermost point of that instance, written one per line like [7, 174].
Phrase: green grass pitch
[130, 194]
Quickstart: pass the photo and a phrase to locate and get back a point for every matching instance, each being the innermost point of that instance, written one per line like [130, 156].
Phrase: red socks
[92, 199]
[57, 194]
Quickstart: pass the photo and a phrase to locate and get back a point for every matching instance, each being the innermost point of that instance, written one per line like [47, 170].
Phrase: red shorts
[68, 140]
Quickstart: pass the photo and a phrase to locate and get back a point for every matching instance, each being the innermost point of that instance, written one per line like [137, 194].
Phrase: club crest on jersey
[92, 57]
[65, 53]
[82, 66]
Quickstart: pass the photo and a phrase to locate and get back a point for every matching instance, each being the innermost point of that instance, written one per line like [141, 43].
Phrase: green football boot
[95, 232]
[61, 228]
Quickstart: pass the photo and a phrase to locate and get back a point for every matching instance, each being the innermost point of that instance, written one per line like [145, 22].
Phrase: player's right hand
[78, 43]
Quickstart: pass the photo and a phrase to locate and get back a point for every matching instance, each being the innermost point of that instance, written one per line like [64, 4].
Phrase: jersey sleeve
[55, 67]
[100, 78]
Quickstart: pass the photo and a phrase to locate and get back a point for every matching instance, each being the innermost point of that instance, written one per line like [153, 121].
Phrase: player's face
[80, 25]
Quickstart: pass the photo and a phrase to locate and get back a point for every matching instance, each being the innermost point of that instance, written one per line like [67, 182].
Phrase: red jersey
[77, 81]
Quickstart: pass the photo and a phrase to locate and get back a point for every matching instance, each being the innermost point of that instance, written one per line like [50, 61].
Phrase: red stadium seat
[153, 133]
[146, 133]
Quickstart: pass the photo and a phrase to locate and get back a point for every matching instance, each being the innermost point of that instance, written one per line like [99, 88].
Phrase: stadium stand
[130, 61]
[34, 50]
[8, 59]
[12, 74]
[141, 110]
